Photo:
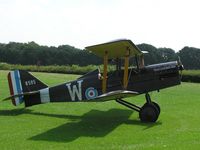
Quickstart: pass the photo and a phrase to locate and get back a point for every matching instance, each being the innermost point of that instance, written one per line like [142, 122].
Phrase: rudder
[20, 82]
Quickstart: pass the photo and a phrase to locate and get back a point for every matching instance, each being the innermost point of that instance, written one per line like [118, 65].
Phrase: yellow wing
[115, 49]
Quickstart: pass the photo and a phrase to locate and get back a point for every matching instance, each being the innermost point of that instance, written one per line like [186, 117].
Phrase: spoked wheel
[149, 113]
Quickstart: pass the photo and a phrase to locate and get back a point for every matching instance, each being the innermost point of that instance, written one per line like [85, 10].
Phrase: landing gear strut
[149, 112]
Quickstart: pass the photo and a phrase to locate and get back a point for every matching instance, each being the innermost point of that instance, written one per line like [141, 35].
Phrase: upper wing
[116, 95]
[115, 49]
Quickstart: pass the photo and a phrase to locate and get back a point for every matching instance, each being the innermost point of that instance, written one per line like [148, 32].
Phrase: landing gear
[157, 106]
[149, 112]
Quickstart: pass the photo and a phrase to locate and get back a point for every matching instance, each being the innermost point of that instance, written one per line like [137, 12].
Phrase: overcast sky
[80, 23]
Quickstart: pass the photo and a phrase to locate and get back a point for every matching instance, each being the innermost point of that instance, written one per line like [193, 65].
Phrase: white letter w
[75, 91]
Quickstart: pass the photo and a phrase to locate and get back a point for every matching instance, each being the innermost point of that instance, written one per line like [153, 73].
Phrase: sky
[80, 23]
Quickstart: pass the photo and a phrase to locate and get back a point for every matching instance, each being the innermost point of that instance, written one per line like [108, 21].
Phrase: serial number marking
[30, 82]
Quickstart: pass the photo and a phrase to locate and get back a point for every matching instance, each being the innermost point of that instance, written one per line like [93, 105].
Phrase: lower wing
[119, 94]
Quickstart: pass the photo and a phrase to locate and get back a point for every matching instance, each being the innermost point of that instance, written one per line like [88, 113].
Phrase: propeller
[180, 65]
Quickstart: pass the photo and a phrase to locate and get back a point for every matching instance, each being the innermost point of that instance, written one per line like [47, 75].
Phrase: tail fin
[22, 82]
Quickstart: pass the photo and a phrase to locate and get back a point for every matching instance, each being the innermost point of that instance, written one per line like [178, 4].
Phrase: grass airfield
[106, 125]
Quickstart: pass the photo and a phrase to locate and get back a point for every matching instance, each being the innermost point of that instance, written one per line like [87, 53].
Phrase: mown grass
[105, 125]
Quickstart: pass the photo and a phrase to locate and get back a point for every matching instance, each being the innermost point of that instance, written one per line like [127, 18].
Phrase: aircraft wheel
[148, 113]
[157, 106]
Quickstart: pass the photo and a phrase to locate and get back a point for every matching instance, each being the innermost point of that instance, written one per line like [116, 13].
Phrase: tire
[157, 106]
[148, 113]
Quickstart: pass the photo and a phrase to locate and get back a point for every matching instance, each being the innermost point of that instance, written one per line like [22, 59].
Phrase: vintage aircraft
[124, 82]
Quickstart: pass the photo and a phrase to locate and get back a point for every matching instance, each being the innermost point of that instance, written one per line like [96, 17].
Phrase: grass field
[105, 125]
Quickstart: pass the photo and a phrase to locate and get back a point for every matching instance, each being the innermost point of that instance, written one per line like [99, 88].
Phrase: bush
[191, 76]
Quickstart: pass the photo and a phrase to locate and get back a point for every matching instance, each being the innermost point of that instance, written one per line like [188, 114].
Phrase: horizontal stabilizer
[116, 95]
[19, 95]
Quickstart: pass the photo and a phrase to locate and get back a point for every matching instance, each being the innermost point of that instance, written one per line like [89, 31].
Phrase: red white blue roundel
[91, 93]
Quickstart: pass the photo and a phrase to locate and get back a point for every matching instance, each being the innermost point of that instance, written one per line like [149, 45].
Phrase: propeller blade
[180, 64]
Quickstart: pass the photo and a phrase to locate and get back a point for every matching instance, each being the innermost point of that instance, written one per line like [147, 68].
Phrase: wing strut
[104, 83]
[126, 64]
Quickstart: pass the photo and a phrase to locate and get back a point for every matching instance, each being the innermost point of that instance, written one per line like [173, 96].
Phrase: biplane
[95, 86]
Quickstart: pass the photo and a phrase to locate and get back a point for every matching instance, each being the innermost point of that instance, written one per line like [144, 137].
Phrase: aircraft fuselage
[89, 86]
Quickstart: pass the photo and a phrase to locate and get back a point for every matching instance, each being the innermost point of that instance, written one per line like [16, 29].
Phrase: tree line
[33, 54]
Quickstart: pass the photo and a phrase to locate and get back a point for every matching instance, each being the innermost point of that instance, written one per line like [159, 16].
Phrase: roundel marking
[91, 93]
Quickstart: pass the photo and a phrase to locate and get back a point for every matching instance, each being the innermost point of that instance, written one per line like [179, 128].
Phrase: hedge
[187, 75]
[73, 69]
[191, 76]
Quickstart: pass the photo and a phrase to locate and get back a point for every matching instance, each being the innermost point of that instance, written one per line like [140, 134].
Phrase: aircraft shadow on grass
[94, 123]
